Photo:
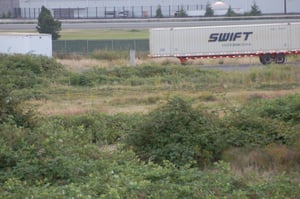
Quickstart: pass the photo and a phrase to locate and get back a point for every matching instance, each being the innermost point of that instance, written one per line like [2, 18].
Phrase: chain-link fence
[89, 46]
[109, 12]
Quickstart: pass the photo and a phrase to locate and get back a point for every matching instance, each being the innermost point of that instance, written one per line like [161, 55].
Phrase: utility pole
[284, 7]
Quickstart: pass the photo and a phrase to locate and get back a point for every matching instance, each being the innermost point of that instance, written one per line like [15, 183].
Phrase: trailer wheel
[280, 58]
[265, 59]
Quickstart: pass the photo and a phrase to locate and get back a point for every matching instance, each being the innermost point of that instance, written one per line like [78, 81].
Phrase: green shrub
[263, 121]
[178, 133]
[242, 130]
[285, 108]
[57, 160]
[80, 80]
[35, 64]
[99, 128]
[22, 72]
[11, 110]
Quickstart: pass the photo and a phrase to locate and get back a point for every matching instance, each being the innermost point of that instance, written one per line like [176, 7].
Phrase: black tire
[265, 59]
[280, 58]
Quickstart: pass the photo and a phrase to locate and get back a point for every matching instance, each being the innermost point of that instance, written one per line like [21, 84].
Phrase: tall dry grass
[272, 158]
[214, 90]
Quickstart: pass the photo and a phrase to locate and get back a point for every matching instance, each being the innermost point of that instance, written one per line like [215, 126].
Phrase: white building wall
[105, 3]
[94, 8]
[26, 43]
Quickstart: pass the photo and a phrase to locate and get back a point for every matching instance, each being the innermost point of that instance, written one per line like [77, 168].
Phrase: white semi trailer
[269, 42]
[26, 43]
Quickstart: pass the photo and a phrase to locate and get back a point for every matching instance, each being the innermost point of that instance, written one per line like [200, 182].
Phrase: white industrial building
[26, 43]
[139, 8]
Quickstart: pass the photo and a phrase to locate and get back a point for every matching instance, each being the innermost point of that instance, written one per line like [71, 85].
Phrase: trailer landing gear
[183, 60]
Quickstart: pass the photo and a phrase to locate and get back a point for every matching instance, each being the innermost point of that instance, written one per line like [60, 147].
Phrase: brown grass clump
[272, 158]
[242, 159]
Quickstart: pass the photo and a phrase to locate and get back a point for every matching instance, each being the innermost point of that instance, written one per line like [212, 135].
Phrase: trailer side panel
[224, 40]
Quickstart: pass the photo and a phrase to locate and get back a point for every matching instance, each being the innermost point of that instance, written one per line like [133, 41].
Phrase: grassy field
[135, 94]
[105, 129]
[103, 34]
[81, 127]
[97, 34]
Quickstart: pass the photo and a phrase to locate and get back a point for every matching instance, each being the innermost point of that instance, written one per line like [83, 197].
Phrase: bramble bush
[263, 121]
[243, 129]
[284, 108]
[23, 72]
[80, 80]
[56, 161]
[67, 156]
[181, 134]
[178, 133]
[99, 128]
[264, 134]
[37, 64]
[28, 71]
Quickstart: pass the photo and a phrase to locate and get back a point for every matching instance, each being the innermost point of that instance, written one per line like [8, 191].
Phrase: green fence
[88, 46]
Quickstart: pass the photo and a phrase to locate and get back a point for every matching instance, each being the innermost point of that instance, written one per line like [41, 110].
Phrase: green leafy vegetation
[230, 12]
[159, 12]
[255, 11]
[186, 146]
[209, 12]
[47, 24]
[6, 15]
[19, 73]
[178, 133]
[181, 13]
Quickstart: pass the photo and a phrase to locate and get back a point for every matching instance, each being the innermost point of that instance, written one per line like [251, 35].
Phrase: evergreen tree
[230, 12]
[159, 12]
[209, 11]
[255, 11]
[182, 13]
[47, 24]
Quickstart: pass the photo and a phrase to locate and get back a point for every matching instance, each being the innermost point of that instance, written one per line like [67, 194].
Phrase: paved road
[141, 24]
[155, 24]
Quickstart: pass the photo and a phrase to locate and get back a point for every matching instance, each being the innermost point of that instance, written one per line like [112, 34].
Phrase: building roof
[219, 5]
